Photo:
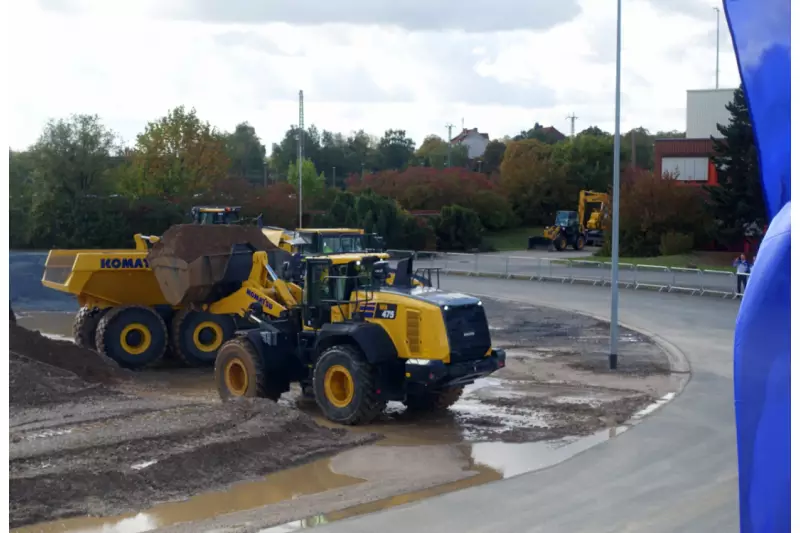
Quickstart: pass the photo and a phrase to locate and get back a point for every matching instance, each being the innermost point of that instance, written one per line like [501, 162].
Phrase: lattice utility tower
[572, 118]
[300, 164]
[449, 144]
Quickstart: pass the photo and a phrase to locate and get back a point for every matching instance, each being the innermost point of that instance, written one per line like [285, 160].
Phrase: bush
[676, 243]
[493, 209]
[458, 228]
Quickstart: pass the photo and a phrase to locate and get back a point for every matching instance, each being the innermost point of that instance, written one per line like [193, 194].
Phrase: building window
[686, 168]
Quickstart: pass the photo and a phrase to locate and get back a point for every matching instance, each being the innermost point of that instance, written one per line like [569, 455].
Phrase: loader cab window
[566, 218]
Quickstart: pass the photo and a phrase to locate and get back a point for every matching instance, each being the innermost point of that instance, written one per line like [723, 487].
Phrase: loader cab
[215, 214]
[567, 220]
[331, 282]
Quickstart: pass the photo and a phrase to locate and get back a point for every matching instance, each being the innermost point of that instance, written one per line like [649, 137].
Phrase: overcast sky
[416, 65]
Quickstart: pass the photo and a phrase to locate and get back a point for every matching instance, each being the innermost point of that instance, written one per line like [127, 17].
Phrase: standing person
[742, 273]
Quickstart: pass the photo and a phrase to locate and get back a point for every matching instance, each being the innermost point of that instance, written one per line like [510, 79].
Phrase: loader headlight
[480, 302]
[446, 308]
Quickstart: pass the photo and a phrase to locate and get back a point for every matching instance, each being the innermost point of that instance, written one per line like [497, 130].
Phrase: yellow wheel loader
[574, 228]
[359, 343]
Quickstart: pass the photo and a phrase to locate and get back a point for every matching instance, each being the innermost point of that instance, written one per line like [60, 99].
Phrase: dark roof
[463, 135]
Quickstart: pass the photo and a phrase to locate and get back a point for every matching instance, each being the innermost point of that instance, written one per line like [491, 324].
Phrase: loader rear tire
[239, 372]
[134, 336]
[84, 327]
[344, 386]
[434, 402]
[196, 336]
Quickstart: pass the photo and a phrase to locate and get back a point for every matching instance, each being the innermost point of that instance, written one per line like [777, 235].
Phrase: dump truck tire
[196, 336]
[84, 327]
[239, 372]
[435, 401]
[344, 386]
[133, 336]
[580, 242]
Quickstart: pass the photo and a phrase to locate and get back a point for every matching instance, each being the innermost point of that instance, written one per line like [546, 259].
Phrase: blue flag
[762, 344]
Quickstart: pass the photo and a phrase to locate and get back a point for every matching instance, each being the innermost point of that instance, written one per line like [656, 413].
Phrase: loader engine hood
[436, 297]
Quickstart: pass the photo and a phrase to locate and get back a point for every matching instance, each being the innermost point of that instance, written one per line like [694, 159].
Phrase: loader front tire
[434, 402]
[84, 327]
[196, 336]
[134, 336]
[560, 243]
[239, 372]
[344, 386]
[580, 242]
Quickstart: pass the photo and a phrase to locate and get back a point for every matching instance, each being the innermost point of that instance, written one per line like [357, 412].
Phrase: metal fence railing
[653, 277]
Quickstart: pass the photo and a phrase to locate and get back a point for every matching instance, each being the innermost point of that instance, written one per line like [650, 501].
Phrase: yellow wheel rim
[236, 378]
[208, 336]
[135, 338]
[339, 387]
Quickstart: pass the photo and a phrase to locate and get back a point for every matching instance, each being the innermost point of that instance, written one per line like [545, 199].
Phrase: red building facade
[691, 158]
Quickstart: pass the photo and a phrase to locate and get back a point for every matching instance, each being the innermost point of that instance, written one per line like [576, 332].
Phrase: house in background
[475, 142]
[690, 158]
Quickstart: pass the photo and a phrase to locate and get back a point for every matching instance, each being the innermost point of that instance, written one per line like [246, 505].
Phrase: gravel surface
[81, 448]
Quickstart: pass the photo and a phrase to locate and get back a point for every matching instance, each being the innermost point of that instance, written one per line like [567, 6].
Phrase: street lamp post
[717, 71]
[612, 352]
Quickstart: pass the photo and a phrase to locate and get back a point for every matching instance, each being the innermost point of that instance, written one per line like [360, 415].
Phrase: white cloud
[128, 65]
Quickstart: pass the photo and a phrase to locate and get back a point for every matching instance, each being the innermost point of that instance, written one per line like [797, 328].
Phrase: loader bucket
[204, 263]
[537, 242]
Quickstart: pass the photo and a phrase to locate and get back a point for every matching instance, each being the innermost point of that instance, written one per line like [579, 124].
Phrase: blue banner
[762, 344]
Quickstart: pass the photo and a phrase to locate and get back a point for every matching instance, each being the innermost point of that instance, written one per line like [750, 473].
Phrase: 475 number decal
[380, 311]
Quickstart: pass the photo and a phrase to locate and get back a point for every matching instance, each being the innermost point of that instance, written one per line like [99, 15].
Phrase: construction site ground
[94, 448]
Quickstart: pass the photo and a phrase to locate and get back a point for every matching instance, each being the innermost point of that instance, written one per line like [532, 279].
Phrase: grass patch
[701, 260]
[511, 239]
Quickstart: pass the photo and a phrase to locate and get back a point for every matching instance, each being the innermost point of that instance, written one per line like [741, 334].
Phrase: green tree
[458, 228]
[313, 183]
[737, 202]
[587, 161]
[246, 153]
[595, 131]
[176, 155]
[395, 150]
[493, 157]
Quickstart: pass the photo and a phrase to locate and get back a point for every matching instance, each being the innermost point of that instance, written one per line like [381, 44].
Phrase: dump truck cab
[359, 343]
[216, 214]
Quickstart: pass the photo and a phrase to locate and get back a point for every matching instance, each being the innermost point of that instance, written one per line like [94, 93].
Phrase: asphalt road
[674, 472]
[583, 269]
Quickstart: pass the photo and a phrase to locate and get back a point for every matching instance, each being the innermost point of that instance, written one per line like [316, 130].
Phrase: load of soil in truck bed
[80, 448]
[190, 241]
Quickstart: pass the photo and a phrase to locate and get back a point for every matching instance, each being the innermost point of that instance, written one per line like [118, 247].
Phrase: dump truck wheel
[344, 386]
[435, 401]
[580, 242]
[196, 336]
[133, 336]
[84, 327]
[239, 372]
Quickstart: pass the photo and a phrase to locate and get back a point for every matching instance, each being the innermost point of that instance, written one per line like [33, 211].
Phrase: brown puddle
[284, 485]
[492, 461]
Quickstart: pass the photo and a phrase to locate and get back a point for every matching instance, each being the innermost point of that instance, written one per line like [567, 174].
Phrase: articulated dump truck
[182, 294]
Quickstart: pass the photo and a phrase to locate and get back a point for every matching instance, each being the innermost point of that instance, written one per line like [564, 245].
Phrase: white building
[705, 108]
[475, 142]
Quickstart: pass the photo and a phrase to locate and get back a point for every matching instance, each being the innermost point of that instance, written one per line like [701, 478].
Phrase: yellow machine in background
[574, 228]
[360, 343]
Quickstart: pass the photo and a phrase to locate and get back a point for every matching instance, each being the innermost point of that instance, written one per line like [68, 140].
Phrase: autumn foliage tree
[536, 186]
[652, 207]
[176, 155]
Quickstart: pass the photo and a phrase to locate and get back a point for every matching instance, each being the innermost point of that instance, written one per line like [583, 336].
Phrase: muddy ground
[93, 453]
[80, 447]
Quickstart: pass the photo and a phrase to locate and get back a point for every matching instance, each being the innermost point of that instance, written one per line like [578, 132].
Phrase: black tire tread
[371, 406]
[264, 389]
[100, 336]
[84, 327]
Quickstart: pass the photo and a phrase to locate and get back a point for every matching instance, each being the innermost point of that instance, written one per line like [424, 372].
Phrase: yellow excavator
[574, 228]
[359, 343]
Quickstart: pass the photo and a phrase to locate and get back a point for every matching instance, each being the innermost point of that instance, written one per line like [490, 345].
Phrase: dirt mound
[190, 241]
[86, 364]
[31, 383]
